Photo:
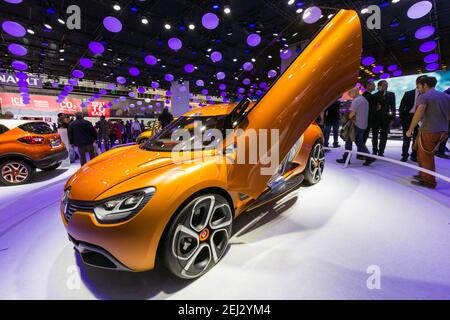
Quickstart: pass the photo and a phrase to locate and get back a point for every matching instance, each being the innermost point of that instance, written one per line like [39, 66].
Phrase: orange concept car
[136, 206]
[25, 146]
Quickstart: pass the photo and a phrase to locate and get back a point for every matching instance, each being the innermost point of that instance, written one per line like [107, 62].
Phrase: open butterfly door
[325, 69]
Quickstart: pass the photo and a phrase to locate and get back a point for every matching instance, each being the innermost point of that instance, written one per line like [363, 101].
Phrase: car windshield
[189, 134]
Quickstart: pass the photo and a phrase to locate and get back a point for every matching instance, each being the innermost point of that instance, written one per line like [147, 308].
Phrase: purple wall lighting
[428, 46]
[22, 75]
[73, 82]
[433, 57]
[385, 76]
[210, 21]
[312, 15]
[397, 73]
[419, 9]
[392, 67]
[367, 61]
[425, 32]
[17, 49]
[112, 24]
[102, 91]
[14, 29]
[141, 90]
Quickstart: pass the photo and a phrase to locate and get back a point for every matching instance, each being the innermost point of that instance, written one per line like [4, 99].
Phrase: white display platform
[318, 246]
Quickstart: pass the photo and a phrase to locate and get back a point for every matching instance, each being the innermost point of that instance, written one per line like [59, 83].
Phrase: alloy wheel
[317, 163]
[15, 172]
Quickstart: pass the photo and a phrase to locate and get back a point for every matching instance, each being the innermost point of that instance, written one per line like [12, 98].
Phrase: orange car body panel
[315, 79]
[9, 144]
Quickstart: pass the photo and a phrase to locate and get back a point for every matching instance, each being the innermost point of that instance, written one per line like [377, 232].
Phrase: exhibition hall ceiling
[200, 48]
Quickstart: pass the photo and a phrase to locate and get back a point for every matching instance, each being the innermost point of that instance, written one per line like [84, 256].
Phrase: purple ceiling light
[419, 9]
[151, 60]
[134, 72]
[397, 73]
[73, 82]
[78, 74]
[96, 47]
[222, 86]
[112, 24]
[210, 21]
[111, 86]
[367, 61]
[286, 54]
[154, 85]
[17, 49]
[86, 63]
[312, 15]
[189, 68]
[432, 67]
[131, 94]
[141, 90]
[19, 65]
[121, 80]
[175, 44]
[271, 74]
[425, 32]
[433, 57]
[169, 77]
[392, 67]
[182, 89]
[378, 69]
[204, 92]
[102, 91]
[21, 75]
[216, 56]
[246, 81]
[14, 29]
[199, 83]
[253, 40]
[248, 66]
[385, 76]
[220, 75]
[428, 46]
[13, 1]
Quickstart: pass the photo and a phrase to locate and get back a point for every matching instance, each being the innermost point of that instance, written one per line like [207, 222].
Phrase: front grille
[80, 206]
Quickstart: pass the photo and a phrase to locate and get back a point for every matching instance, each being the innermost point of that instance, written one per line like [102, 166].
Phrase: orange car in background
[25, 146]
[136, 206]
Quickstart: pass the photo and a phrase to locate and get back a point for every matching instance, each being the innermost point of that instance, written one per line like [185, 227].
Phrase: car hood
[112, 168]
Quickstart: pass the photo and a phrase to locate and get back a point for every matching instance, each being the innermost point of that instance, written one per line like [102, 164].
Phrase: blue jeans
[359, 141]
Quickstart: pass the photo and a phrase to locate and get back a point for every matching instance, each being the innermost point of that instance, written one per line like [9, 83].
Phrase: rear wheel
[16, 172]
[53, 167]
[316, 164]
[198, 236]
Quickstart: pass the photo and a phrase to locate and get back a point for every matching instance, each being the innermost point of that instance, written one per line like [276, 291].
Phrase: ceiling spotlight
[61, 21]
[330, 16]
[167, 26]
[144, 20]
[270, 57]
[104, 64]
[300, 10]
[61, 59]
[253, 60]
[364, 11]
[227, 10]
[48, 26]
[209, 50]
[395, 1]
[61, 50]
[191, 26]
[116, 7]
[234, 60]
[30, 31]
[291, 2]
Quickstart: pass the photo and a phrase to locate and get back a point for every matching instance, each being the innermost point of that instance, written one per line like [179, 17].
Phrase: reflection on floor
[317, 243]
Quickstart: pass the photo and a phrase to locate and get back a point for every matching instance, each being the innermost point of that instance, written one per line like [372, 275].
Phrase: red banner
[98, 108]
[40, 103]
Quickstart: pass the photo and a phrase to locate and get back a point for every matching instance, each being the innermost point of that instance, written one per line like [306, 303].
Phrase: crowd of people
[94, 139]
[425, 118]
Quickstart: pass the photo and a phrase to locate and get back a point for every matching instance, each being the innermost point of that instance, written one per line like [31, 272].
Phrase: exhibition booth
[156, 150]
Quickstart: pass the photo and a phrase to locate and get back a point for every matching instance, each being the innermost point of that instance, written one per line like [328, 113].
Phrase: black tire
[142, 141]
[198, 236]
[16, 172]
[316, 164]
[53, 167]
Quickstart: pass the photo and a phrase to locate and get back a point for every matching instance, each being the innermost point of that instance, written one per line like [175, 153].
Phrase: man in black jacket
[384, 114]
[82, 134]
[407, 110]
[331, 123]
[370, 87]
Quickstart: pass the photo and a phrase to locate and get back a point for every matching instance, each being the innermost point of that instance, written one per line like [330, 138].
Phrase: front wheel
[316, 164]
[198, 236]
[16, 172]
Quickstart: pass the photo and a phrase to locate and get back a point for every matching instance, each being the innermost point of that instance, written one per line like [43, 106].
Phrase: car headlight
[123, 207]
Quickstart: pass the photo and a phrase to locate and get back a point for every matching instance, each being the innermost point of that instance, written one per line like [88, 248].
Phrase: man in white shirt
[135, 129]
[407, 109]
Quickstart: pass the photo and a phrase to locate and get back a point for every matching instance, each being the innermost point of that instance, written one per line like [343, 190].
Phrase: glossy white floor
[316, 246]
